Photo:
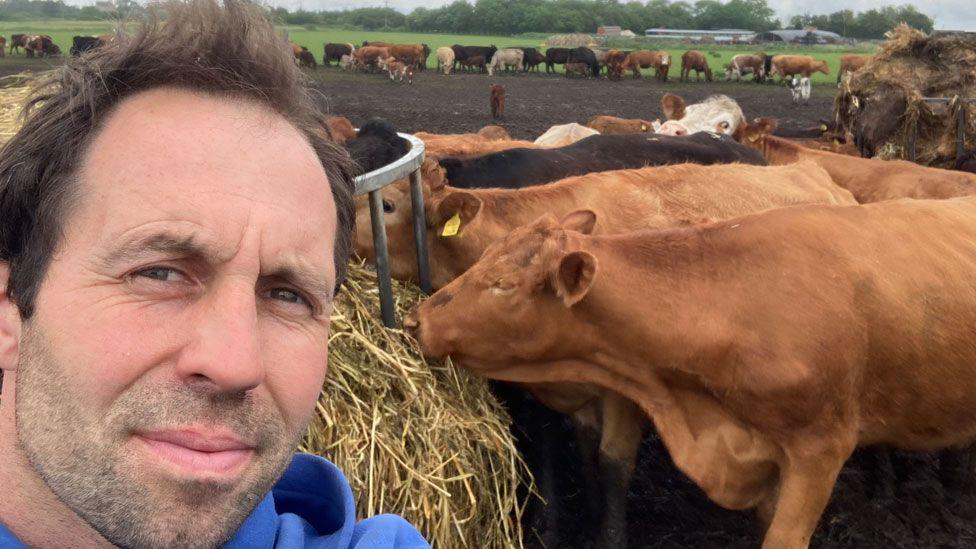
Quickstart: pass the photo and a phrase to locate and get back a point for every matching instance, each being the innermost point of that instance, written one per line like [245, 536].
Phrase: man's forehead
[209, 169]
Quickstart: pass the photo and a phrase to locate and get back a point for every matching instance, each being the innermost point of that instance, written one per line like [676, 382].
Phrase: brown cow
[370, 56]
[494, 133]
[788, 65]
[3, 46]
[644, 59]
[615, 61]
[611, 124]
[41, 45]
[497, 101]
[741, 64]
[409, 54]
[677, 196]
[694, 60]
[851, 62]
[870, 180]
[575, 69]
[340, 128]
[474, 62]
[764, 348]
[399, 70]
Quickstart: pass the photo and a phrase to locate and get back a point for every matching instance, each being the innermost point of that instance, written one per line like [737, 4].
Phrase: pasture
[718, 56]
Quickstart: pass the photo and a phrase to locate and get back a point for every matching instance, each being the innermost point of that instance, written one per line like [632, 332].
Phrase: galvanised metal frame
[372, 183]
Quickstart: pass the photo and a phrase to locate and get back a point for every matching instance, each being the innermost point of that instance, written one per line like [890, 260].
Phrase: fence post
[420, 231]
[382, 257]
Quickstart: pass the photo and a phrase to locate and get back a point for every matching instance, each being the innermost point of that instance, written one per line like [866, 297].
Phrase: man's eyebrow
[164, 243]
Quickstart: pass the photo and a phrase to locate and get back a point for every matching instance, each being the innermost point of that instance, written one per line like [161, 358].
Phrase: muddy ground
[459, 103]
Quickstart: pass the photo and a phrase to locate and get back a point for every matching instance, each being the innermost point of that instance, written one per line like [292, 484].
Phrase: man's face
[180, 337]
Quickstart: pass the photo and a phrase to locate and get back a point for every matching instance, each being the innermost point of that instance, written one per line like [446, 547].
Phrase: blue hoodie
[311, 506]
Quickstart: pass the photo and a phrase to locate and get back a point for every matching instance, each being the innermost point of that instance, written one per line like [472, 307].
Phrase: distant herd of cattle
[42, 45]
[581, 61]
[767, 303]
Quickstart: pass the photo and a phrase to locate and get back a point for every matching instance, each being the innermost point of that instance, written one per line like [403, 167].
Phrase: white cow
[345, 62]
[800, 89]
[505, 58]
[564, 134]
[445, 59]
[717, 114]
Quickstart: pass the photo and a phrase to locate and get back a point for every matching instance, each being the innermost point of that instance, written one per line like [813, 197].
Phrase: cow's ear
[573, 276]
[673, 107]
[462, 204]
[581, 221]
[756, 130]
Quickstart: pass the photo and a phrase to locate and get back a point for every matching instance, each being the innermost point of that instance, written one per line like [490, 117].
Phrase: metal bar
[420, 231]
[377, 179]
[961, 132]
[382, 257]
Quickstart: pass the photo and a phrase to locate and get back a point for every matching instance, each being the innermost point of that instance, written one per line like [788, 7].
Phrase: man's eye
[162, 274]
[288, 296]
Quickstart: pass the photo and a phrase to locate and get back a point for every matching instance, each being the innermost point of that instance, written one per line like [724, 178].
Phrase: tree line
[512, 17]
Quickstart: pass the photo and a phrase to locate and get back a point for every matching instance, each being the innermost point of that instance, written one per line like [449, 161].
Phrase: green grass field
[718, 56]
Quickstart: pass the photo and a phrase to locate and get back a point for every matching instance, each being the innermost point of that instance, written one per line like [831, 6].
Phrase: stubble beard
[86, 459]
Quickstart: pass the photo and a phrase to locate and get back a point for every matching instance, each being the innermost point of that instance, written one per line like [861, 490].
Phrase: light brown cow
[644, 59]
[561, 135]
[788, 65]
[611, 124]
[694, 60]
[851, 62]
[409, 54]
[870, 180]
[741, 64]
[494, 133]
[370, 56]
[764, 348]
[341, 129]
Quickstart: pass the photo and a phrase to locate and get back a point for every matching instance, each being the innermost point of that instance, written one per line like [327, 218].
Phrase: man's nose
[225, 349]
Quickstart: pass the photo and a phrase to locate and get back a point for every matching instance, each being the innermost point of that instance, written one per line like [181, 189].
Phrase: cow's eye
[388, 207]
[723, 125]
[502, 288]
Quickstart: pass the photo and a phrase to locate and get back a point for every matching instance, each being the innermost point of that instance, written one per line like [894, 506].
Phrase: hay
[917, 65]
[570, 40]
[419, 439]
[423, 440]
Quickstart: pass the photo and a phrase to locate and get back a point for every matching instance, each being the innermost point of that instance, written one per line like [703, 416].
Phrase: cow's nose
[411, 323]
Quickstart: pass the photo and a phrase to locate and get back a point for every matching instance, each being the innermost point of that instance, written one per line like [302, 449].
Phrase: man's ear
[581, 221]
[673, 107]
[464, 204]
[9, 323]
[572, 276]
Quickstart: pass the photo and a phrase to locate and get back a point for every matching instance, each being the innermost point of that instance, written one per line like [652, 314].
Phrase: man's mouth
[196, 452]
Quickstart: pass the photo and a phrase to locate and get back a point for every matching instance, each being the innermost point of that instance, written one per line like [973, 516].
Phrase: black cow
[335, 51]
[515, 168]
[532, 59]
[556, 56]
[462, 53]
[81, 44]
[587, 57]
[376, 145]
[422, 62]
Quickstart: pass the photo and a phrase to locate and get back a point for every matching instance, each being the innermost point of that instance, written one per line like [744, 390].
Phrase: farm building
[723, 35]
[792, 36]
[608, 30]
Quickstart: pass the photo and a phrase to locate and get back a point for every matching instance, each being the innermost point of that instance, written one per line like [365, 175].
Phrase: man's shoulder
[313, 505]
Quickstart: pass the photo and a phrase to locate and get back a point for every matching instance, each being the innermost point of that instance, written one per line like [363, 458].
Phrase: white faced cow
[718, 114]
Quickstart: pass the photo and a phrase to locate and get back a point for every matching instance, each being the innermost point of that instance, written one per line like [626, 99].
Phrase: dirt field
[459, 103]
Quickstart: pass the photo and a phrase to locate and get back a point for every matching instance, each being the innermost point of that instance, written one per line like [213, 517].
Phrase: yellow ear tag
[753, 137]
[452, 226]
[643, 127]
[823, 127]
[836, 143]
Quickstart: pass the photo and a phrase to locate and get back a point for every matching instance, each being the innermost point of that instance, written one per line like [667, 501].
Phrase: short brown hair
[228, 48]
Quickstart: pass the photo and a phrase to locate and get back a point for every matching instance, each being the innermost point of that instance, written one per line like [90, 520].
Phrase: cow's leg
[806, 483]
[620, 439]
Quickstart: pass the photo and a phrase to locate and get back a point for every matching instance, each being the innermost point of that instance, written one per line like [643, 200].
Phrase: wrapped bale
[883, 102]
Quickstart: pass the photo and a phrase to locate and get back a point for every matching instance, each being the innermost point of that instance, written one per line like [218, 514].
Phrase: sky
[948, 14]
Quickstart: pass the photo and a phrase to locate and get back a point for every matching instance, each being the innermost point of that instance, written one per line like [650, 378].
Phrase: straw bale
[940, 65]
[421, 439]
[570, 40]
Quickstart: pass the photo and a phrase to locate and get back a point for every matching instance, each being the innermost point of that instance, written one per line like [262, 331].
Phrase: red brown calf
[497, 101]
